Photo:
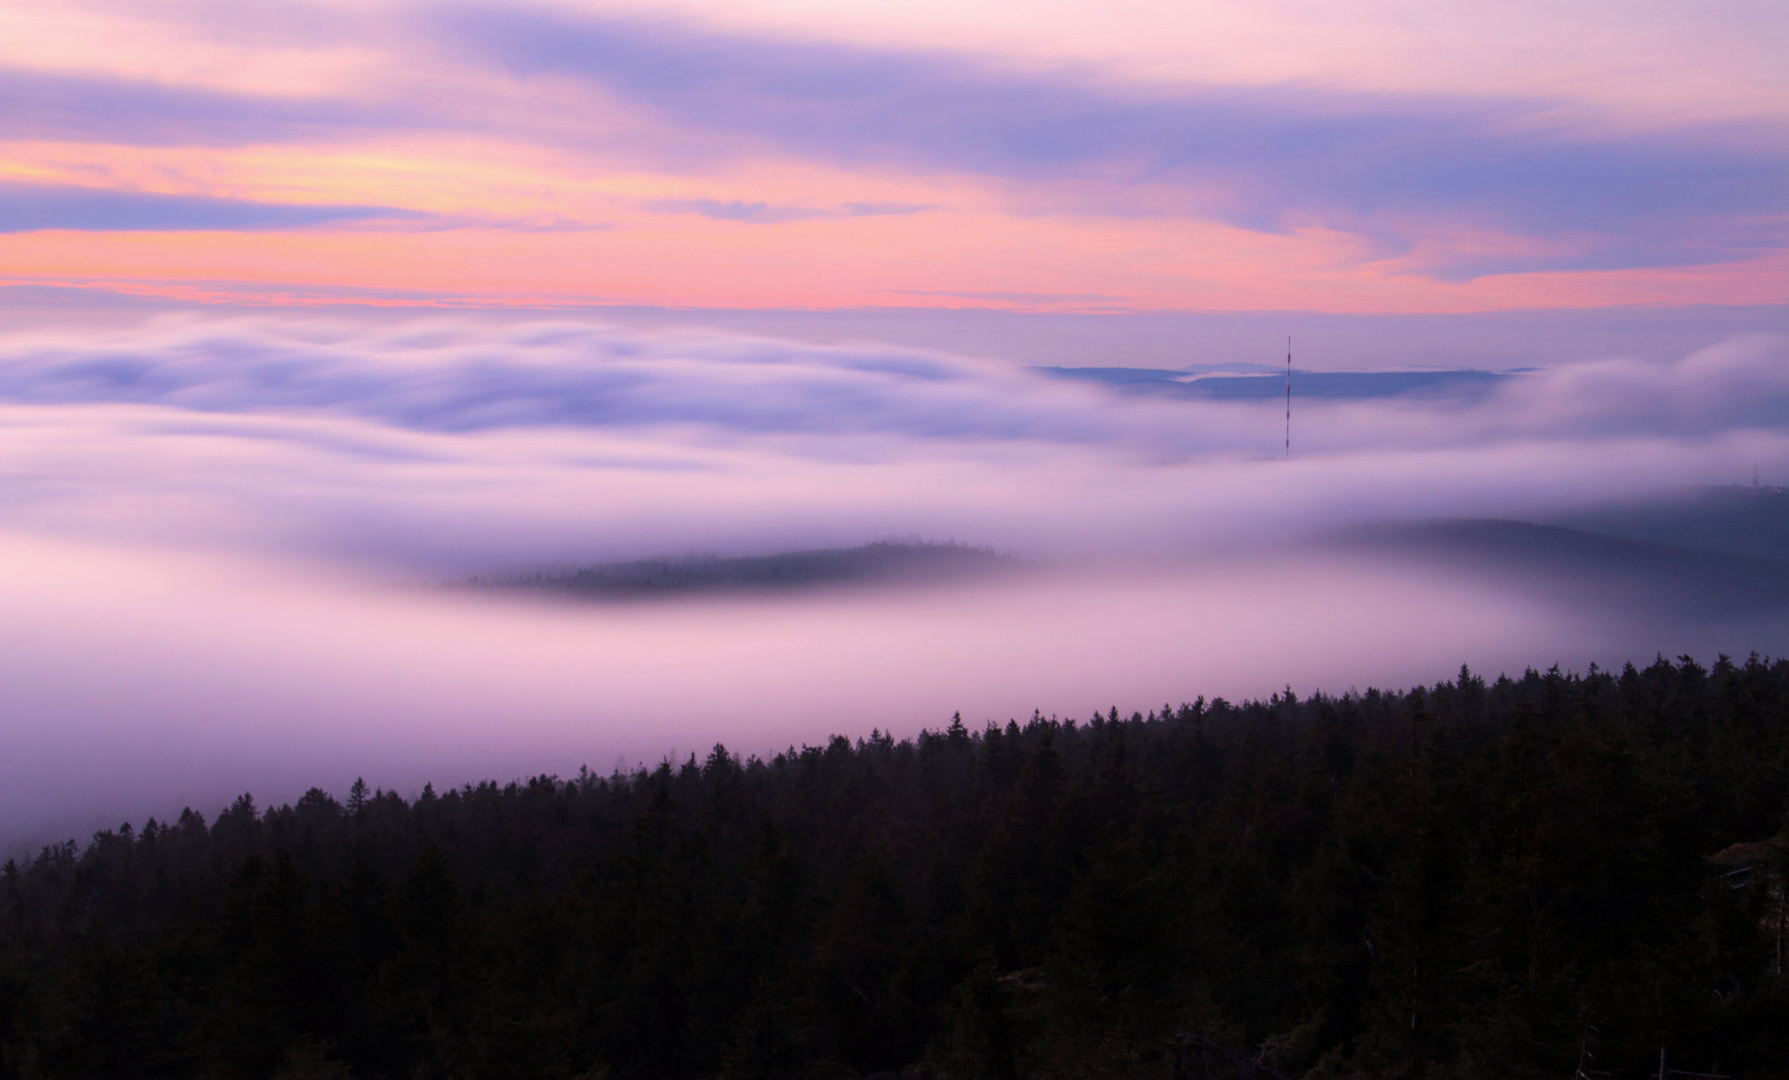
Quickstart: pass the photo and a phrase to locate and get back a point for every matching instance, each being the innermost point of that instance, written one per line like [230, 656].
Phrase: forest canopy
[1512, 878]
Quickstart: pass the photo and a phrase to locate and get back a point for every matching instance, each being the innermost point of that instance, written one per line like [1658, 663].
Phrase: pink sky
[1136, 156]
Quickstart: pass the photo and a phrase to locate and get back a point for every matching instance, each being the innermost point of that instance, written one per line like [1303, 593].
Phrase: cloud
[883, 209]
[1016, 297]
[180, 497]
[756, 213]
[1392, 166]
[478, 440]
[194, 506]
[1452, 187]
[446, 375]
[443, 376]
[221, 673]
[45, 106]
[1742, 383]
[33, 207]
[763, 213]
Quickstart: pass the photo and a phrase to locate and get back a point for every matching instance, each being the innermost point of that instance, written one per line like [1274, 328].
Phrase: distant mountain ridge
[1733, 519]
[880, 562]
[1608, 571]
[1213, 383]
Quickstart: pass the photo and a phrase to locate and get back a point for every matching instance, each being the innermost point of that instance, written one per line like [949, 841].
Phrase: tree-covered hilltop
[1513, 879]
[885, 562]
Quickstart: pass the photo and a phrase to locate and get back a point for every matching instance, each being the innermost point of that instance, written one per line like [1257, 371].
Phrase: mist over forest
[448, 695]
[231, 530]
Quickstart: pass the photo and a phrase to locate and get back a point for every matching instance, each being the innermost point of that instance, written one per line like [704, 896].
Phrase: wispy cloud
[764, 213]
[35, 207]
[1409, 174]
[1419, 187]
[36, 105]
[1273, 160]
[1014, 297]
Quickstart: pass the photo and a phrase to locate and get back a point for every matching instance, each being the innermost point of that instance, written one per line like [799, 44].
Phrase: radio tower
[1288, 397]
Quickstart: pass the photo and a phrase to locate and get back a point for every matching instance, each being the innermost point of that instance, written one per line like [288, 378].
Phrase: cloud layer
[447, 375]
[35, 207]
[217, 526]
[593, 439]
[1268, 160]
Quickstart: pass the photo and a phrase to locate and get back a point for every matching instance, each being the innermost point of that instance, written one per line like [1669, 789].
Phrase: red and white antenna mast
[1288, 397]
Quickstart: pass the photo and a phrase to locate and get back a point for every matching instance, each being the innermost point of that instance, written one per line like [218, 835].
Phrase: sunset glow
[1226, 157]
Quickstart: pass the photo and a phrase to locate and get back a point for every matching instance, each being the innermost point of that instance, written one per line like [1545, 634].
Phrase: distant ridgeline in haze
[885, 561]
[1248, 381]
[1471, 880]
[1734, 519]
[1699, 556]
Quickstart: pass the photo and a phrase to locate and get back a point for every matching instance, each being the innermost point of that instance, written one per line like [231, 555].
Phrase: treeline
[1515, 879]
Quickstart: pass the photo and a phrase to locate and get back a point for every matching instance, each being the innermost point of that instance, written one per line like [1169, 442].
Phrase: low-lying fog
[224, 540]
[141, 681]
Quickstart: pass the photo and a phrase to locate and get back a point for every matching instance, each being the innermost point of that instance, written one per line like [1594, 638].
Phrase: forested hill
[884, 562]
[1595, 571]
[1464, 880]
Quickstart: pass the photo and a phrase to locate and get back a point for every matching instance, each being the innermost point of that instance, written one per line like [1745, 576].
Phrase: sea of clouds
[223, 534]
[455, 445]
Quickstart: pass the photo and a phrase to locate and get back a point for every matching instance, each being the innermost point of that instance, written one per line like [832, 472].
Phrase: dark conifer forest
[1551, 876]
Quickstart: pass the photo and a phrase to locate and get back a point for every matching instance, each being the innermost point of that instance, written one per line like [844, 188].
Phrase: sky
[307, 308]
[1378, 157]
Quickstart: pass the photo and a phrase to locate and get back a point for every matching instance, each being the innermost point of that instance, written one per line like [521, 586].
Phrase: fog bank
[224, 533]
[138, 682]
